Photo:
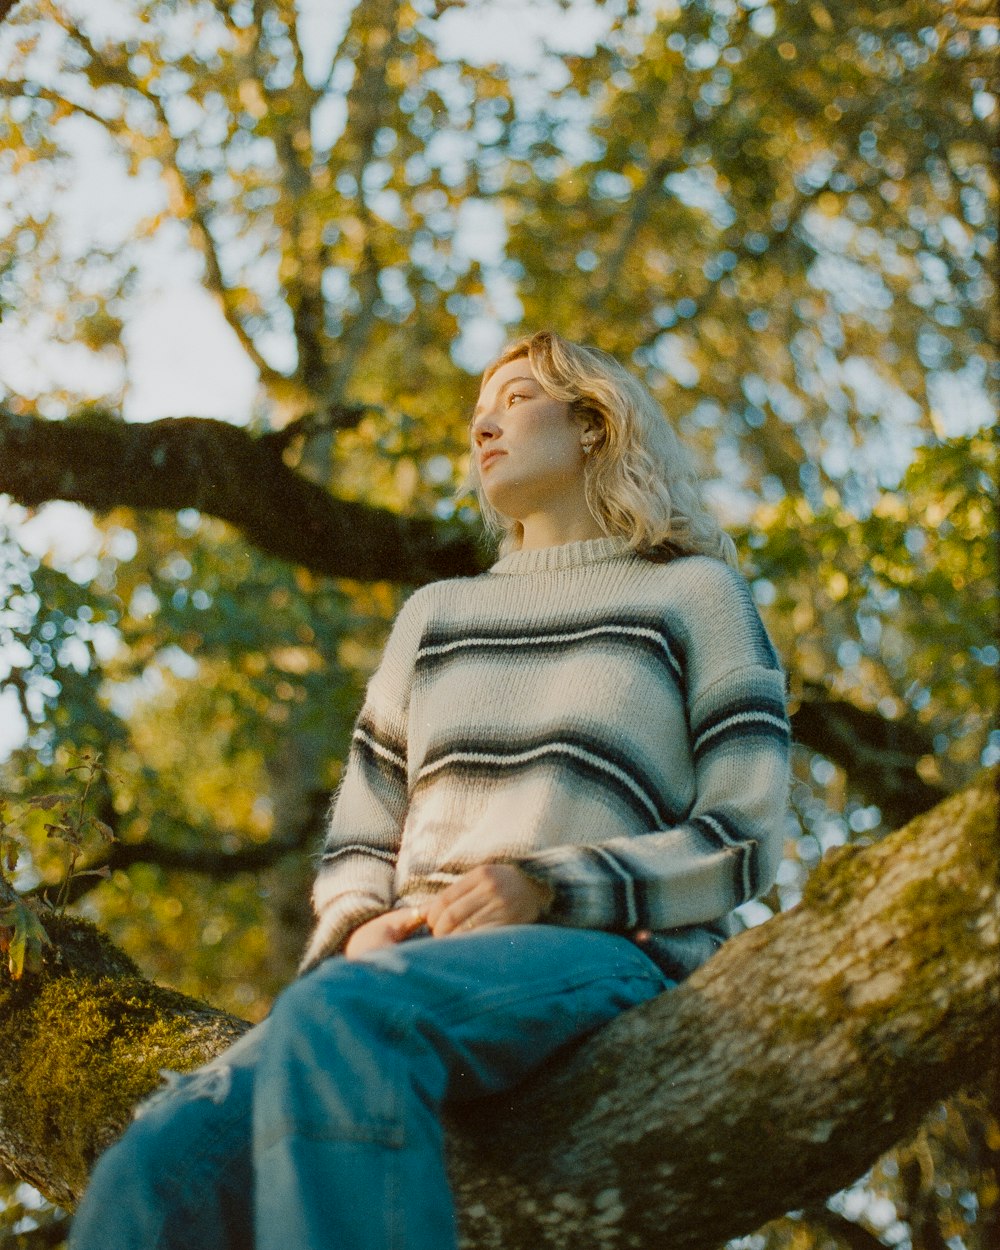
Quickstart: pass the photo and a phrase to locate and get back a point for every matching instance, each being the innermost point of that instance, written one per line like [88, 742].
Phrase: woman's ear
[591, 433]
[591, 425]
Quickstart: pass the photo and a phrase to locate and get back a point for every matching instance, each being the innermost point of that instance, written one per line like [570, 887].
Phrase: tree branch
[293, 104]
[868, 747]
[113, 67]
[879, 755]
[16, 88]
[774, 1076]
[205, 859]
[641, 205]
[853, 1236]
[226, 472]
[376, 26]
[201, 232]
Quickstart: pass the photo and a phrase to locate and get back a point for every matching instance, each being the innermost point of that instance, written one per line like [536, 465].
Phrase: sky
[183, 359]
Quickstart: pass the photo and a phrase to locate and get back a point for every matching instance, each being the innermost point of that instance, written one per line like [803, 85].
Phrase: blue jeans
[320, 1129]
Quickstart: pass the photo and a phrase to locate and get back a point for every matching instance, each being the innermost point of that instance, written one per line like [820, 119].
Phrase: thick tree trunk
[778, 1073]
[774, 1076]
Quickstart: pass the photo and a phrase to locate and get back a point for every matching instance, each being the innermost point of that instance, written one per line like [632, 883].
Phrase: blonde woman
[566, 774]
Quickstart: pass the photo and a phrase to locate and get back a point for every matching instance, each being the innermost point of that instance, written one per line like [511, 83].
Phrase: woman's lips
[488, 457]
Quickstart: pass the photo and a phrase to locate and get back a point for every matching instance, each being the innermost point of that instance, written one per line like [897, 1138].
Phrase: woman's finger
[461, 914]
[448, 897]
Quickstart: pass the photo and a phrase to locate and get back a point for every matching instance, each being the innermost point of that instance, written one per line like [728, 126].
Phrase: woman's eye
[515, 395]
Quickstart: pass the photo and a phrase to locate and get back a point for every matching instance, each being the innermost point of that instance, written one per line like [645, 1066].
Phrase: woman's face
[527, 446]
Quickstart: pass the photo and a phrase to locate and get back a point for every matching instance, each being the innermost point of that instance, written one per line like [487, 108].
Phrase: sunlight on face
[529, 456]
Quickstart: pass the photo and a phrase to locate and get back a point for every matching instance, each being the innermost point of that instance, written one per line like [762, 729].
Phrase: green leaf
[105, 831]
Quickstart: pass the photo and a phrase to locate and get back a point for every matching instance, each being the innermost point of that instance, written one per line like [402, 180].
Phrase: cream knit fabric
[613, 725]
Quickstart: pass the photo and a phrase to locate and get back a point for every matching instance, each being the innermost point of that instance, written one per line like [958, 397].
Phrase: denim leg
[182, 1175]
[320, 1128]
[347, 1143]
[347, 1137]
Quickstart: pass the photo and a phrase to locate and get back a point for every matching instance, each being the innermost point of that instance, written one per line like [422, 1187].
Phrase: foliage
[22, 937]
[893, 609]
[254, 668]
[65, 818]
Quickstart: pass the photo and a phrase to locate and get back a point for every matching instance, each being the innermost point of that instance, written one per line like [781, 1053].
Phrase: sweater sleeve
[727, 848]
[355, 879]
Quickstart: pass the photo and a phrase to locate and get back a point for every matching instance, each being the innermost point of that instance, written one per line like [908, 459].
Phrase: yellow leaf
[837, 586]
[24, 938]
[252, 98]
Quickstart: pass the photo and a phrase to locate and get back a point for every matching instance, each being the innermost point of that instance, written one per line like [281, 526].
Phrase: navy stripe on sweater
[359, 848]
[377, 748]
[439, 647]
[591, 758]
[758, 716]
[624, 886]
[723, 832]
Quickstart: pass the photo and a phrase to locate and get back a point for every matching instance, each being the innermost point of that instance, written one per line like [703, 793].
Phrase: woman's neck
[546, 530]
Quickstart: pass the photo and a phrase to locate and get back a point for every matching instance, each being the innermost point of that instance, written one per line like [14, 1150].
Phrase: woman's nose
[483, 429]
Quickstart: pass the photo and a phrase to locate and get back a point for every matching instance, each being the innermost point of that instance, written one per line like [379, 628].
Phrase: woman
[566, 774]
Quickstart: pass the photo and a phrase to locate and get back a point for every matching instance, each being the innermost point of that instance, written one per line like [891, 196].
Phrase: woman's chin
[505, 498]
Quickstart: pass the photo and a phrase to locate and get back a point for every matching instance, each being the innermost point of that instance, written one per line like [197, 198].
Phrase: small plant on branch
[22, 928]
[74, 824]
[22, 935]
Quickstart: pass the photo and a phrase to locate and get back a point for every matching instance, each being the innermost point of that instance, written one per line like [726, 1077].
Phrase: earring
[588, 445]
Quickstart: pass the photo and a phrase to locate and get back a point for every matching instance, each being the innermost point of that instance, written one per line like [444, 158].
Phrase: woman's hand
[485, 897]
[385, 930]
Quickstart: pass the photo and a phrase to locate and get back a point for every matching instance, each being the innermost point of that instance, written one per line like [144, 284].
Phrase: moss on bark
[85, 1040]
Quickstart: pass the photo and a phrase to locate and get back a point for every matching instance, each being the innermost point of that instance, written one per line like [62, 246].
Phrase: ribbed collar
[565, 556]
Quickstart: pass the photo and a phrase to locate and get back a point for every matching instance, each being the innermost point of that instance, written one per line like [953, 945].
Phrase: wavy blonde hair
[640, 482]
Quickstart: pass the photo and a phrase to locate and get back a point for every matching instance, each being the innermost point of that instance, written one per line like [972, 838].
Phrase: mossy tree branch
[773, 1077]
[84, 1041]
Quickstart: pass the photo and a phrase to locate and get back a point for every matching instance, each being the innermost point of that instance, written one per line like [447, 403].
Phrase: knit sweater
[614, 726]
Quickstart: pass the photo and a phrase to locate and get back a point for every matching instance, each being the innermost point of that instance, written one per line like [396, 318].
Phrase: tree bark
[774, 1076]
[229, 473]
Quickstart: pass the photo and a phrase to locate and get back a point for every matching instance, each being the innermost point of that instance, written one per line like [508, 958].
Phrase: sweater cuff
[336, 924]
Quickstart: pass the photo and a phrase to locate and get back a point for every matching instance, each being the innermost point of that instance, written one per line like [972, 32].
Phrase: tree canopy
[779, 214]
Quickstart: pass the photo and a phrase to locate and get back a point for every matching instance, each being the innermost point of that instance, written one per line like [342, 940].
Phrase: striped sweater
[614, 726]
